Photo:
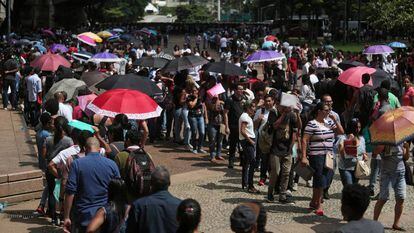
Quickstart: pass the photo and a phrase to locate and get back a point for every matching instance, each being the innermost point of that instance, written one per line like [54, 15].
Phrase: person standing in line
[34, 94]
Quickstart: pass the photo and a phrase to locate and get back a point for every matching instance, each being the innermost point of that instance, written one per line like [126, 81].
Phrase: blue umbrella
[268, 44]
[114, 38]
[397, 44]
[41, 48]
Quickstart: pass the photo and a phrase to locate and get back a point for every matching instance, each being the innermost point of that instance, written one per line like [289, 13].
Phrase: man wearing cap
[243, 219]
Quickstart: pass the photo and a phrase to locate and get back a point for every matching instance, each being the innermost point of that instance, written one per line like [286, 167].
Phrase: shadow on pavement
[29, 217]
[321, 223]
[239, 200]
[275, 208]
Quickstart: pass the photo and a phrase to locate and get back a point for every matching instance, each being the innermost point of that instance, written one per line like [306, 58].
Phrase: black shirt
[282, 136]
[235, 108]
[9, 65]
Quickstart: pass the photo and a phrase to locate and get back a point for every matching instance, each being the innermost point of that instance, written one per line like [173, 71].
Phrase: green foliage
[164, 10]
[193, 14]
[129, 10]
[392, 15]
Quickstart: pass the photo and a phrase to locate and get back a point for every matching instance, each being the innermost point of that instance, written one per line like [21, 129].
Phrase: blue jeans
[375, 170]
[348, 177]
[394, 180]
[197, 125]
[215, 138]
[248, 163]
[180, 116]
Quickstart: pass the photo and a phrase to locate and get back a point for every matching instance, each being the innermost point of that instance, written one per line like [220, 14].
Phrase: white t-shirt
[65, 110]
[223, 42]
[249, 129]
[313, 78]
[63, 156]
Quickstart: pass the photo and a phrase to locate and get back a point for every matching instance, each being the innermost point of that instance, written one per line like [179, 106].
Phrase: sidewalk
[19, 218]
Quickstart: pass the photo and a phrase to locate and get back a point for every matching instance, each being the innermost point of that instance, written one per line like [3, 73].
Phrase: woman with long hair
[408, 95]
[111, 217]
[53, 145]
[188, 216]
[197, 117]
[351, 150]
[317, 142]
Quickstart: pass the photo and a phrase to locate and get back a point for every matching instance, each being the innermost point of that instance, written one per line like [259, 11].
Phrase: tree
[392, 15]
[125, 10]
[193, 14]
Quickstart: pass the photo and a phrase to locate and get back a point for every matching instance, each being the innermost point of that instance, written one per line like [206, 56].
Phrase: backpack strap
[103, 121]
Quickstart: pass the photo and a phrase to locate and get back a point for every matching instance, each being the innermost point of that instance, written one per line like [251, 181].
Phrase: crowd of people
[109, 183]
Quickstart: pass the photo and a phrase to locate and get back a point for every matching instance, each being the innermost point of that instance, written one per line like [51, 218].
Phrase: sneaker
[253, 190]
[319, 212]
[188, 147]
[220, 158]
[295, 187]
[194, 151]
[309, 184]
[201, 151]
[40, 210]
[288, 193]
[286, 200]
[270, 198]
[5, 109]
[261, 182]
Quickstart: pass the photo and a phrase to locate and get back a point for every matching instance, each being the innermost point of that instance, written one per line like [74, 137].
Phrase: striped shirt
[322, 137]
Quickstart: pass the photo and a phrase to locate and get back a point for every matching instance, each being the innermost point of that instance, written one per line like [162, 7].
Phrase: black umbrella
[130, 81]
[349, 64]
[165, 56]
[225, 68]
[155, 62]
[380, 75]
[93, 77]
[183, 63]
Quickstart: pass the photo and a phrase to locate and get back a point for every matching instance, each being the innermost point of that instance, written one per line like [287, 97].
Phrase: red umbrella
[134, 104]
[270, 38]
[353, 76]
[50, 62]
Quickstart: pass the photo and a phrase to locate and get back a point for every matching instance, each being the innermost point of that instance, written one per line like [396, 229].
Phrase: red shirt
[293, 63]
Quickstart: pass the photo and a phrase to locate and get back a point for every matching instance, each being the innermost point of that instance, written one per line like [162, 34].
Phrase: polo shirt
[88, 180]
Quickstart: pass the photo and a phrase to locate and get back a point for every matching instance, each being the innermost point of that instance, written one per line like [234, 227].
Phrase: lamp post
[218, 11]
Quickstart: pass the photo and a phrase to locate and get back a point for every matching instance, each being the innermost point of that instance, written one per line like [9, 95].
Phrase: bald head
[92, 145]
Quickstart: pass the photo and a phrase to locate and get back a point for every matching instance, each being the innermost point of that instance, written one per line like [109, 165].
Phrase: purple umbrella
[105, 57]
[378, 49]
[264, 55]
[58, 47]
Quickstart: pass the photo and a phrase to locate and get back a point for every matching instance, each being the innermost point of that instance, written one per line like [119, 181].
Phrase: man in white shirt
[34, 92]
[338, 59]
[389, 66]
[321, 62]
[65, 110]
[140, 51]
[223, 43]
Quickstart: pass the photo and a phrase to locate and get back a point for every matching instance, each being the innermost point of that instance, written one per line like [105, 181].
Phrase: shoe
[261, 182]
[288, 193]
[201, 151]
[270, 198]
[40, 210]
[5, 109]
[220, 158]
[312, 206]
[213, 161]
[295, 187]
[319, 212]
[309, 184]
[326, 195]
[189, 147]
[371, 192]
[253, 190]
[286, 200]
[194, 151]
[397, 228]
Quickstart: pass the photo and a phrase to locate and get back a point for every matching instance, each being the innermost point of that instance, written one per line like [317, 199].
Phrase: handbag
[329, 160]
[305, 172]
[409, 179]
[362, 170]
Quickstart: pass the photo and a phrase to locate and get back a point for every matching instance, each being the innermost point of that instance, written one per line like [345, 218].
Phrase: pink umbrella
[85, 100]
[87, 40]
[50, 62]
[48, 32]
[353, 76]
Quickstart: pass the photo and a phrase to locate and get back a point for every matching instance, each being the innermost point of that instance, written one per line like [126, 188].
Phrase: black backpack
[138, 169]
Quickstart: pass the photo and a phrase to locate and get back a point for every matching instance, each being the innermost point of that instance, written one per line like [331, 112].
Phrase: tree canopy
[193, 14]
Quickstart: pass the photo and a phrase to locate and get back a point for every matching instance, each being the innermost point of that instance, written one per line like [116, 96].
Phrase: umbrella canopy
[134, 104]
[93, 36]
[120, 30]
[22, 42]
[353, 76]
[349, 64]
[183, 63]
[114, 38]
[82, 56]
[70, 86]
[105, 57]
[87, 40]
[130, 81]
[378, 76]
[393, 127]
[397, 45]
[225, 68]
[40, 47]
[378, 49]
[84, 100]
[81, 125]
[58, 47]
[48, 32]
[93, 77]
[104, 34]
[264, 55]
[270, 38]
[164, 55]
[155, 62]
[268, 44]
[50, 62]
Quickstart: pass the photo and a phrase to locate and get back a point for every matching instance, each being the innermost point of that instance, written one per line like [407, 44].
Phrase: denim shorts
[321, 174]
[396, 180]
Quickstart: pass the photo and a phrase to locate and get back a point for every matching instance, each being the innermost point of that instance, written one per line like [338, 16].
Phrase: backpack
[138, 169]
[265, 140]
